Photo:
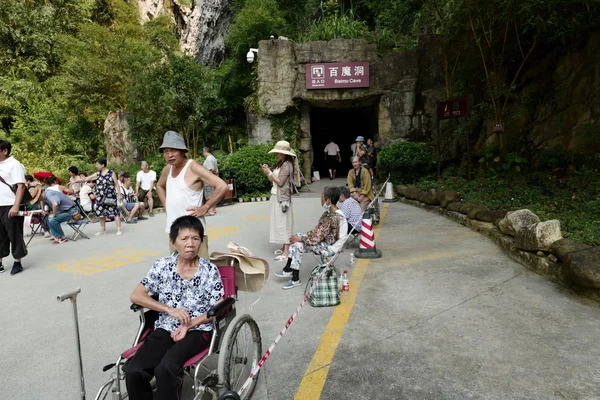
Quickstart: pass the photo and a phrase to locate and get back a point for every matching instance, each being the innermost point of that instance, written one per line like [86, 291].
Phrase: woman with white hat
[282, 218]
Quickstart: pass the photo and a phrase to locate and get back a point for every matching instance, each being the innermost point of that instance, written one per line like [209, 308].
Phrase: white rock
[538, 236]
[516, 220]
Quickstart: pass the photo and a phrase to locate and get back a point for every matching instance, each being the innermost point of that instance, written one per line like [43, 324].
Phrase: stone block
[446, 197]
[497, 216]
[401, 189]
[411, 193]
[428, 198]
[562, 247]
[485, 215]
[516, 220]
[538, 236]
[472, 214]
[466, 208]
[453, 207]
[584, 267]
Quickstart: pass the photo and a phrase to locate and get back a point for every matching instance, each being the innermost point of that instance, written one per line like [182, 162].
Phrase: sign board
[452, 108]
[337, 75]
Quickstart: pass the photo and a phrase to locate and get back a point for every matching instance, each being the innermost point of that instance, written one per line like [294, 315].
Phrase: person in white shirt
[86, 194]
[131, 205]
[12, 190]
[144, 186]
[332, 157]
[210, 163]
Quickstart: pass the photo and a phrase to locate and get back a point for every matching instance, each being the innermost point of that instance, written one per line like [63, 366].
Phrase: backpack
[326, 292]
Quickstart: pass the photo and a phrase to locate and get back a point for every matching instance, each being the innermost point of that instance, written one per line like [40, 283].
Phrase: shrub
[244, 166]
[405, 161]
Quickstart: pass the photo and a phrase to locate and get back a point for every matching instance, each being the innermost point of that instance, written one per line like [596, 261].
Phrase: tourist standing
[372, 157]
[181, 186]
[282, 215]
[210, 163]
[332, 157]
[107, 195]
[144, 186]
[12, 190]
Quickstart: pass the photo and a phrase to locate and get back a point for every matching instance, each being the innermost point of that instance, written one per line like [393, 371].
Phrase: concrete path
[445, 314]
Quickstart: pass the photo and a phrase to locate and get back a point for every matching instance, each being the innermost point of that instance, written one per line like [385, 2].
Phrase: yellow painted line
[101, 263]
[215, 232]
[316, 373]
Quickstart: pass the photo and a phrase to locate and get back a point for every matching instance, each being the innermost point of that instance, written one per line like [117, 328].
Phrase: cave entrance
[343, 125]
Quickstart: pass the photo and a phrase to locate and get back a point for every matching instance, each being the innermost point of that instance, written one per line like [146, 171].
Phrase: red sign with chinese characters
[337, 75]
[452, 108]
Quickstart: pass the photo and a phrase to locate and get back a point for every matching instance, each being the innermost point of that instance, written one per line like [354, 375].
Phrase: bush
[244, 166]
[405, 161]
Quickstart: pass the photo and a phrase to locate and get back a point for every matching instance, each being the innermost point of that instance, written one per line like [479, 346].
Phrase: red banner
[453, 108]
[337, 75]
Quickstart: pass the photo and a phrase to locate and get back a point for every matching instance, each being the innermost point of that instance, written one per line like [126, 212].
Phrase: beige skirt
[282, 223]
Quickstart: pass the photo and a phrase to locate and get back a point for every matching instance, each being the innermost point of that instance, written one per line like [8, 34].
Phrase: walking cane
[73, 297]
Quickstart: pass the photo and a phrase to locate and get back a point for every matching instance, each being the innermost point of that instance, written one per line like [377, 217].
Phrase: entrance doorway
[342, 125]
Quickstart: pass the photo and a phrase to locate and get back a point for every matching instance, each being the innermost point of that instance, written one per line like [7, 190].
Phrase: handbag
[285, 204]
[326, 292]
[109, 201]
[26, 195]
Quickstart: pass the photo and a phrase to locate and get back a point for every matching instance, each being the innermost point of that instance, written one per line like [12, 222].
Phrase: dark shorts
[11, 234]
[332, 162]
[144, 193]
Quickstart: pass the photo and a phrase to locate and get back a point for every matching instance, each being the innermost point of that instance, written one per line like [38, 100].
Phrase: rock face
[201, 26]
[516, 220]
[120, 148]
[538, 236]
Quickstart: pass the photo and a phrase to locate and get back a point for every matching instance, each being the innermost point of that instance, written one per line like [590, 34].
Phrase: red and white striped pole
[367, 248]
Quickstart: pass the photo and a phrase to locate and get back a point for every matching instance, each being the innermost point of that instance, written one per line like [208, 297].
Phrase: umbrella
[43, 175]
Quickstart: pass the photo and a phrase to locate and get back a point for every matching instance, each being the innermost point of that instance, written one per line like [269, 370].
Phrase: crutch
[73, 297]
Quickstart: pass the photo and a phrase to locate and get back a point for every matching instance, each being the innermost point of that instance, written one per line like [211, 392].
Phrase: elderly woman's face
[188, 243]
[355, 163]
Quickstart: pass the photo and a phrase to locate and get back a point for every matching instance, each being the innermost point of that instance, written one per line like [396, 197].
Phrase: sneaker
[17, 267]
[119, 233]
[61, 240]
[142, 218]
[2, 269]
[278, 252]
[281, 258]
[292, 284]
[100, 233]
[46, 234]
[283, 274]
[131, 222]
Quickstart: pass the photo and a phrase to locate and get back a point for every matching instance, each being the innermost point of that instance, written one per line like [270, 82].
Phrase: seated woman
[35, 189]
[326, 239]
[187, 287]
[359, 183]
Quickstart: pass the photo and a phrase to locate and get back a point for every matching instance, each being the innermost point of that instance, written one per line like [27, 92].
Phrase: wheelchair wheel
[240, 351]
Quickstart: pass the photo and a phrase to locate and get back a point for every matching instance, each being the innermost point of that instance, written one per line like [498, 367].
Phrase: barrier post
[367, 248]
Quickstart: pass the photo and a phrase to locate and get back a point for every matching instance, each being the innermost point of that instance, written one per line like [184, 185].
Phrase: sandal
[100, 233]
[278, 252]
[281, 258]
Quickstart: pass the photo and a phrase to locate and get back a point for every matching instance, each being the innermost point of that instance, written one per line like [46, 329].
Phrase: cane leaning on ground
[73, 297]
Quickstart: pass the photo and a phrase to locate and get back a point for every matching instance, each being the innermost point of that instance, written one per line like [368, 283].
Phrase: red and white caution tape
[285, 328]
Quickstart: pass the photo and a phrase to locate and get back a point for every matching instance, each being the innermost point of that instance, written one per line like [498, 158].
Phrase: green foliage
[405, 161]
[337, 27]
[244, 165]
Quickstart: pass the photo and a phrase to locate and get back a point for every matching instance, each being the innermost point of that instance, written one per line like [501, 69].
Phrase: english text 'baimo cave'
[342, 89]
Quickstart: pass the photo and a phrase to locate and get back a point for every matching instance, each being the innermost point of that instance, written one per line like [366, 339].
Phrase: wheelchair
[234, 351]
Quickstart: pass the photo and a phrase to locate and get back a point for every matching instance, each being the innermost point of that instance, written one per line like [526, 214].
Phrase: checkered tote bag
[327, 291]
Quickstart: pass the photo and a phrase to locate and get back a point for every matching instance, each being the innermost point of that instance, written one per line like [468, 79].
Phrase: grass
[573, 198]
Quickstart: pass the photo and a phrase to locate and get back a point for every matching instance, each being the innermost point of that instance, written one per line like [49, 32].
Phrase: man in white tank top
[181, 185]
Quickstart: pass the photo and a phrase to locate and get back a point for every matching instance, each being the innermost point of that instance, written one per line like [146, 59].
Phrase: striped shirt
[352, 211]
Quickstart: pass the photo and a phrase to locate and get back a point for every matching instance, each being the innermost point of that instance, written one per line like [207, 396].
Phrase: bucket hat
[283, 147]
[251, 272]
[173, 140]
[360, 139]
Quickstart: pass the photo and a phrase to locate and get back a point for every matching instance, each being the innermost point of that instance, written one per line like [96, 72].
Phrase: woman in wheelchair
[187, 287]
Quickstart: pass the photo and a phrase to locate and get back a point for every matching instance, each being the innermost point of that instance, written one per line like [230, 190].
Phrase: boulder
[466, 208]
[516, 220]
[428, 198]
[485, 215]
[498, 216]
[562, 247]
[453, 206]
[446, 197]
[120, 146]
[538, 236]
[411, 193]
[584, 267]
[400, 190]
[477, 208]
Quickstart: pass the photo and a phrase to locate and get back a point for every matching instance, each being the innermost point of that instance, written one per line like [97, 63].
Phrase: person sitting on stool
[326, 239]
[359, 183]
[351, 210]
[63, 209]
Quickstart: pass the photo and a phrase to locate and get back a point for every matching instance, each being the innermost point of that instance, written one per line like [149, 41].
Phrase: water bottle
[352, 259]
[22, 213]
[345, 283]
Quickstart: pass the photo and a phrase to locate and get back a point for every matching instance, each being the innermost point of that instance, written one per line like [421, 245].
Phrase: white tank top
[180, 197]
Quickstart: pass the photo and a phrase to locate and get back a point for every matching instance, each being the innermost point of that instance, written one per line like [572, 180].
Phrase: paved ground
[443, 315]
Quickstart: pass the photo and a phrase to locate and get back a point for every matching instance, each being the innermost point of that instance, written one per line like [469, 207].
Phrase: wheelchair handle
[68, 295]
